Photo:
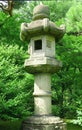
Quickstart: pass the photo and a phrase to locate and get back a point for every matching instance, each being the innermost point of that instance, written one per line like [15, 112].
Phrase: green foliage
[74, 18]
[67, 82]
[79, 118]
[15, 83]
[71, 126]
[58, 9]
[2, 17]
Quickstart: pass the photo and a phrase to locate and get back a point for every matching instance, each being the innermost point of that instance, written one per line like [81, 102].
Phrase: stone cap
[41, 11]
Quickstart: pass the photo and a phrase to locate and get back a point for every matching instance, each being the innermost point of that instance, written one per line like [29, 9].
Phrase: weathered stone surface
[41, 11]
[42, 46]
[44, 123]
[42, 65]
[41, 25]
[42, 94]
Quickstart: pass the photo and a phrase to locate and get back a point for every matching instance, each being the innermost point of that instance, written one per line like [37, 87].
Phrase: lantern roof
[41, 25]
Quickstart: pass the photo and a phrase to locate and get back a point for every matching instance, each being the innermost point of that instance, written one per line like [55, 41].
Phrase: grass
[10, 125]
[17, 125]
[73, 127]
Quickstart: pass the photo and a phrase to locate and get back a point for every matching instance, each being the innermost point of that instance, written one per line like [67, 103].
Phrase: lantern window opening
[38, 44]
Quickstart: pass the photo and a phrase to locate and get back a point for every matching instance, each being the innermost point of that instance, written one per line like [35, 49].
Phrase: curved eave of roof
[37, 28]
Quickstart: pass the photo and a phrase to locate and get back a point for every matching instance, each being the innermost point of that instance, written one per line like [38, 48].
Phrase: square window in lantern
[37, 44]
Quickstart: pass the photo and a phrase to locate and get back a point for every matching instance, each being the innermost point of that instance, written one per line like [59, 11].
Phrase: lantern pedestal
[43, 119]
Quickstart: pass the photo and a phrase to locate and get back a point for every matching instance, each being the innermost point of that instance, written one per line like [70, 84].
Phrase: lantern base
[44, 123]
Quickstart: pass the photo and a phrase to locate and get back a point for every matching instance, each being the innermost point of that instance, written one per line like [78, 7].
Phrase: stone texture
[42, 65]
[41, 11]
[42, 94]
[41, 25]
[47, 47]
[44, 123]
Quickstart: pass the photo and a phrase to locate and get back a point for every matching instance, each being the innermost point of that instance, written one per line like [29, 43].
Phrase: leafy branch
[7, 10]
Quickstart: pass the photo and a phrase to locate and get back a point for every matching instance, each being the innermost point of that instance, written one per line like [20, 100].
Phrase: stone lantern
[42, 34]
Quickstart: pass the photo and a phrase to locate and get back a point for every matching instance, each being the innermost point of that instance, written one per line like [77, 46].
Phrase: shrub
[15, 83]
